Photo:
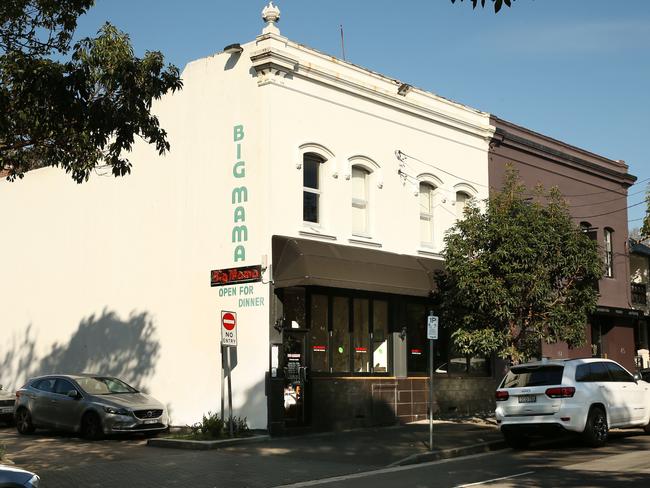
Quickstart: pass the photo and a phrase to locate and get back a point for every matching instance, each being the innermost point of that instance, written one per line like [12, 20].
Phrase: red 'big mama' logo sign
[231, 276]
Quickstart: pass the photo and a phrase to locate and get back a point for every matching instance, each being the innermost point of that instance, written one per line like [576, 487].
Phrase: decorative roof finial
[271, 15]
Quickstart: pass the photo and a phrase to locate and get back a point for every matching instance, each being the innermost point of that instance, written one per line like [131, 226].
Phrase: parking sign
[432, 327]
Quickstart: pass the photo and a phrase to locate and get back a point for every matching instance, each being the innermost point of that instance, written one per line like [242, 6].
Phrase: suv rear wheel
[516, 440]
[596, 430]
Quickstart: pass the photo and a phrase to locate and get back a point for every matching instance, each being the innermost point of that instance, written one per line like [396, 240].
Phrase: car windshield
[522, 376]
[103, 385]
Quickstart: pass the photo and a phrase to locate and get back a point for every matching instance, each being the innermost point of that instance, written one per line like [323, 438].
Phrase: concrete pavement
[64, 460]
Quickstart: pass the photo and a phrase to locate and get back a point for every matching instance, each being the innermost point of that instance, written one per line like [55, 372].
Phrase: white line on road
[375, 472]
[494, 479]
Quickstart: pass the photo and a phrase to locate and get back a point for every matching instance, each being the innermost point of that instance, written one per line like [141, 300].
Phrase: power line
[606, 201]
[398, 153]
[613, 211]
[604, 191]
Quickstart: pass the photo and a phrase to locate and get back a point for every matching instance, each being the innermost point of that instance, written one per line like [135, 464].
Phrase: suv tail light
[561, 392]
[501, 396]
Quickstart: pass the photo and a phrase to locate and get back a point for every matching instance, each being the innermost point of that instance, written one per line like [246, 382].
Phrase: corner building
[334, 183]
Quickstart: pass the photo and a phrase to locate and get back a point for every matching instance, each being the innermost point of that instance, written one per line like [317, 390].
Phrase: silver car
[92, 405]
[7, 401]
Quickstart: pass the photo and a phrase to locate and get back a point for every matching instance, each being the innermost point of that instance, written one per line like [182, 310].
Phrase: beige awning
[304, 262]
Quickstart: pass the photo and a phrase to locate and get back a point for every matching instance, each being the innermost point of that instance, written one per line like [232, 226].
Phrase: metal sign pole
[432, 335]
[223, 379]
[229, 395]
[431, 394]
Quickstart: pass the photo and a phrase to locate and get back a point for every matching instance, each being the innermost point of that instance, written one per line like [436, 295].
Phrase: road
[625, 461]
[66, 461]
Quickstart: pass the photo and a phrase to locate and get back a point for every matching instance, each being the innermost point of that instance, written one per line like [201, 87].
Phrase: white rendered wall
[363, 119]
[112, 276]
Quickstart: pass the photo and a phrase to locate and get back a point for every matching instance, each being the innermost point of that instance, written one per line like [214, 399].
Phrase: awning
[304, 262]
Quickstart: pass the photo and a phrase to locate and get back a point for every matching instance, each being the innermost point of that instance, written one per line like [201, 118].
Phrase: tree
[645, 228]
[519, 273]
[78, 113]
[497, 3]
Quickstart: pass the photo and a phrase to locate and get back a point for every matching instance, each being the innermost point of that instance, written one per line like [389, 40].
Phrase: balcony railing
[639, 296]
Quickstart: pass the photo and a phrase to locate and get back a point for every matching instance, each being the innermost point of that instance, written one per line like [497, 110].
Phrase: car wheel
[91, 427]
[516, 440]
[24, 423]
[596, 430]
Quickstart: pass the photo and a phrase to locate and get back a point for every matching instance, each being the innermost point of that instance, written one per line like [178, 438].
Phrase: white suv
[587, 396]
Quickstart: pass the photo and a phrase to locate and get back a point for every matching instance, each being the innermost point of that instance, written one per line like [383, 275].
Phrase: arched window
[591, 232]
[360, 201]
[461, 202]
[311, 192]
[609, 252]
[427, 191]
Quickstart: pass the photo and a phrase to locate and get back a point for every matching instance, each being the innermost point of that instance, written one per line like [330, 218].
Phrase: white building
[339, 181]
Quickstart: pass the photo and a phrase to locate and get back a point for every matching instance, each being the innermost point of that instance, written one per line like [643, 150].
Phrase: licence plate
[6, 409]
[152, 421]
[527, 398]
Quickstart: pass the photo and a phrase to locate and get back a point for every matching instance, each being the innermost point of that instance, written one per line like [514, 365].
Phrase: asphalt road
[66, 461]
[625, 461]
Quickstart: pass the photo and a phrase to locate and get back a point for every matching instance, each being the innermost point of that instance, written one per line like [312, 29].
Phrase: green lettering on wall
[240, 253]
[240, 214]
[239, 195]
[239, 169]
[240, 233]
[238, 132]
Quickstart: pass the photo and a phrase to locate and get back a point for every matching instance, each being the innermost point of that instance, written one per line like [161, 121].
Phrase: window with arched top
[461, 202]
[589, 230]
[360, 201]
[311, 183]
[609, 252]
[427, 193]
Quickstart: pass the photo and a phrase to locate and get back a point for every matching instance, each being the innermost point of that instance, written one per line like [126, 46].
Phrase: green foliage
[78, 114]
[519, 273]
[645, 228]
[212, 426]
[497, 3]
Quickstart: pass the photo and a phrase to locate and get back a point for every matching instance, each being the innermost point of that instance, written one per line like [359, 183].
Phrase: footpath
[381, 446]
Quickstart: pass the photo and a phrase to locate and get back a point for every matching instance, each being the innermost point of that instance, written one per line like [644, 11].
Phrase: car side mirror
[73, 394]
[637, 377]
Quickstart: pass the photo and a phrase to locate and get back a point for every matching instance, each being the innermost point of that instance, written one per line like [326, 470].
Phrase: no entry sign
[228, 328]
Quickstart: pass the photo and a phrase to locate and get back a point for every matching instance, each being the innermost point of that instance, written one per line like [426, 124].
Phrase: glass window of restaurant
[348, 333]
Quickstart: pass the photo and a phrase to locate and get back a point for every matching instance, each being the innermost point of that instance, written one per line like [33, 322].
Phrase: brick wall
[342, 403]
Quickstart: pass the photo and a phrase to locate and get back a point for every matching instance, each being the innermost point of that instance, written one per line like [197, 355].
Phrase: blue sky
[575, 70]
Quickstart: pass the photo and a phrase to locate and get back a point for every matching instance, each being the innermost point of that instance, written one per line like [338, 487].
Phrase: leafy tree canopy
[645, 227]
[77, 107]
[518, 273]
[497, 3]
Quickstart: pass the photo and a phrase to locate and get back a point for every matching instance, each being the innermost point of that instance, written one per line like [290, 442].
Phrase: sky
[574, 70]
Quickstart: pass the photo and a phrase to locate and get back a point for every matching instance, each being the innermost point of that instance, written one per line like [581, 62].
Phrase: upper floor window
[461, 202]
[590, 231]
[427, 192]
[311, 193]
[360, 197]
[609, 253]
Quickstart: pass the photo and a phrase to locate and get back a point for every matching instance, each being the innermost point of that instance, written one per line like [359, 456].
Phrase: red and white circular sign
[229, 320]
[228, 328]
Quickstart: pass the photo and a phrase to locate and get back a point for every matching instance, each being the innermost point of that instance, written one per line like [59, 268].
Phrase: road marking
[494, 479]
[375, 472]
